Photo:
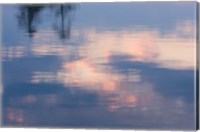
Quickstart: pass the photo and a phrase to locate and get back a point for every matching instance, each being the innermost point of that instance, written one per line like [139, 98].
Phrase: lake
[99, 65]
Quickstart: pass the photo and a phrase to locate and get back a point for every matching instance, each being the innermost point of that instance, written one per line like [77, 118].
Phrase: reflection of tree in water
[64, 32]
[28, 17]
[28, 13]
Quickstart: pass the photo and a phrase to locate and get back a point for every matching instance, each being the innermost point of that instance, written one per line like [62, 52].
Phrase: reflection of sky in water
[122, 65]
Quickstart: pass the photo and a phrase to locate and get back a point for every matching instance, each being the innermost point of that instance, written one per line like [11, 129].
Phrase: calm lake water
[99, 65]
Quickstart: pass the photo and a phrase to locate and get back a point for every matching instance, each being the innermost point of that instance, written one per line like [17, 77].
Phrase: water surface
[103, 65]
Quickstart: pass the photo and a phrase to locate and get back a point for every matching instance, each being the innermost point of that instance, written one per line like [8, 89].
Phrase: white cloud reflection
[170, 50]
[173, 50]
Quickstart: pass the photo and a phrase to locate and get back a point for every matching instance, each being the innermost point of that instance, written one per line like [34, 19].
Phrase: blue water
[99, 65]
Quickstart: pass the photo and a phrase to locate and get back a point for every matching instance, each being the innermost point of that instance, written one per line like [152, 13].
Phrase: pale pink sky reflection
[168, 51]
[171, 50]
